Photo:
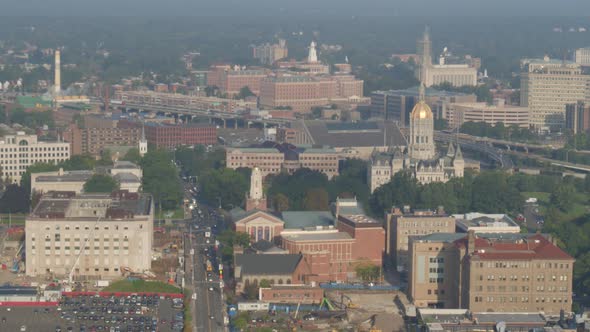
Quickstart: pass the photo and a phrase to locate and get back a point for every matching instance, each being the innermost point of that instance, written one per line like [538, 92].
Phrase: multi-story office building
[268, 53]
[402, 225]
[396, 105]
[283, 157]
[89, 235]
[490, 272]
[577, 117]
[547, 86]
[582, 56]
[18, 152]
[458, 113]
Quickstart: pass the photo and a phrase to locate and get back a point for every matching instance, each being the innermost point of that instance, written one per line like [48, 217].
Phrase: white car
[23, 328]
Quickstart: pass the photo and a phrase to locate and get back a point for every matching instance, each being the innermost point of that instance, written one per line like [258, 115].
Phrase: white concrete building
[582, 56]
[127, 174]
[94, 236]
[547, 86]
[18, 152]
[434, 74]
[458, 113]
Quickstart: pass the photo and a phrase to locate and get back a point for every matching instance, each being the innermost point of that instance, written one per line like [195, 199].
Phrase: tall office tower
[547, 86]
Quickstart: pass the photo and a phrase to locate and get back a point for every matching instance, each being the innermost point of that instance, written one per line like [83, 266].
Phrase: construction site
[339, 310]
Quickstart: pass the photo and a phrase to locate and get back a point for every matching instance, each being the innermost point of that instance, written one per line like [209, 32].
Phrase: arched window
[280, 281]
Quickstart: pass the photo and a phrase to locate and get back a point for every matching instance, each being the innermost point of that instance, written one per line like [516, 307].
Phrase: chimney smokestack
[57, 80]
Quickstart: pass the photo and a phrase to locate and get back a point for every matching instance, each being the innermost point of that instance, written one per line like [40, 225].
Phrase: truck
[209, 266]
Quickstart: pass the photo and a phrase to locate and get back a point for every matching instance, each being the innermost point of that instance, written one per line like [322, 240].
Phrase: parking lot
[89, 314]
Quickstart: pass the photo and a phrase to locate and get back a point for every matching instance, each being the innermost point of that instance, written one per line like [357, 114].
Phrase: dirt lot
[364, 305]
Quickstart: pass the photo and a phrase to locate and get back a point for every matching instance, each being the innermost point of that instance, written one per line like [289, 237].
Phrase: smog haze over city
[303, 165]
[301, 7]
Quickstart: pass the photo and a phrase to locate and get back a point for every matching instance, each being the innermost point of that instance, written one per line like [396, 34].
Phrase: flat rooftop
[68, 206]
[481, 220]
[317, 236]
[71, 176]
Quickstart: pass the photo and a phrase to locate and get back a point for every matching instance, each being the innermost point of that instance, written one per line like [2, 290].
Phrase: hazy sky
[295, 7]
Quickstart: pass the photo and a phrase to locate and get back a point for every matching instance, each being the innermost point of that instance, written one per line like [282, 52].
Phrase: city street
[531, 217]
[208, 307]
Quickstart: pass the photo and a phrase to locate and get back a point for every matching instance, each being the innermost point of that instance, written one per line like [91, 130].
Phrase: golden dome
[421, 111]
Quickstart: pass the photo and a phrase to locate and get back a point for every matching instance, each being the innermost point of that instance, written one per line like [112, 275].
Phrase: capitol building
[420, 158]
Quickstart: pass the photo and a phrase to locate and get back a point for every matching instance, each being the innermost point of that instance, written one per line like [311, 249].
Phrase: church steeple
[256, 199]
[143, 144]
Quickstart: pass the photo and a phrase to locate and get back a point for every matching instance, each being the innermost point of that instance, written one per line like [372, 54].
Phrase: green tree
[245, 92]
[105, 158]
[316, 199]
[15, 199]
[368, 272]
[281, 202]
[563, 196]
[133, 156]
[227, 185]
[25, 180]
[79, 162]
[100, 183]
[242, 320]
[160, 178]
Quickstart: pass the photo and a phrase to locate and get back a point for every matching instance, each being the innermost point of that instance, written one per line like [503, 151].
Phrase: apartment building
[402, 225]
[92, 236]
[19, 151]
[490, 272]
[162, 135]
[268, 53]
[547, 85]
[93, 140]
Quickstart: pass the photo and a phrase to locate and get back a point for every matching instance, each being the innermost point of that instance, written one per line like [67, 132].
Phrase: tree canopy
[101, 183]
[160, 178]
[15, 199]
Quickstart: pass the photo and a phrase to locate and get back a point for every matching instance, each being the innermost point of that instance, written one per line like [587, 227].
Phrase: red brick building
[280, 269]
[328, 253]
[163, 135]
[333, 254]
[260, 225]
[368, 234]
[233, 80]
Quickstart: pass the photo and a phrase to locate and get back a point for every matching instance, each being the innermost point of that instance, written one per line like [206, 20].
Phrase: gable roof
[251, 215]
[257, 264]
